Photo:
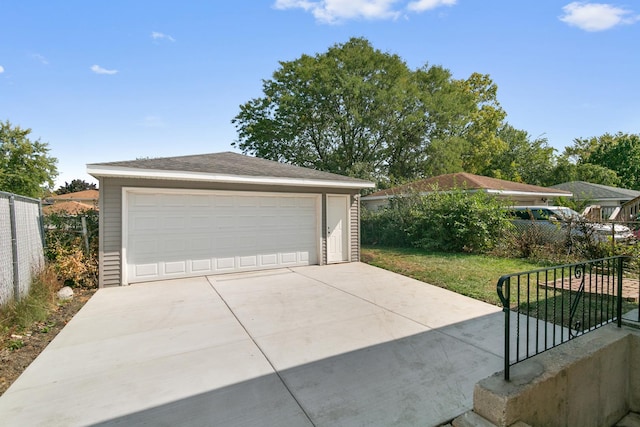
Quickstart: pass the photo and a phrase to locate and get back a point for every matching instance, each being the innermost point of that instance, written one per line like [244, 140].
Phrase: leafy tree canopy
[355, 110]
[608, 159]
[621, 154]
[522, 160]
[75, 186]
[25, 166]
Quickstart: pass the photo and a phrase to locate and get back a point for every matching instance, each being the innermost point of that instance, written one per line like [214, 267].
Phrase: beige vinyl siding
[111, 216]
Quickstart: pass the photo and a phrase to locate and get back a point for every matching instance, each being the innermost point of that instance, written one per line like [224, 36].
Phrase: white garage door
[173, 234]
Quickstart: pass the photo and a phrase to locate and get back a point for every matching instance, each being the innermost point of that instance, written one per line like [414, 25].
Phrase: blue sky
[117, 80]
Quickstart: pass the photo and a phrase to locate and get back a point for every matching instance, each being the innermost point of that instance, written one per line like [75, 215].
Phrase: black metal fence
[547, 307]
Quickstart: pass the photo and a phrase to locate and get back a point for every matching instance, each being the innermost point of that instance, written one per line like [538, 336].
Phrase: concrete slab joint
[344, 344]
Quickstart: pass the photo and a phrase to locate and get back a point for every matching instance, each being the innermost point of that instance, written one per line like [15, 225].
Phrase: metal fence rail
[547, 307]
[21, 244]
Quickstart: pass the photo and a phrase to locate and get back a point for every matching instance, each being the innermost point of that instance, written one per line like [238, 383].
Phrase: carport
[340, 345]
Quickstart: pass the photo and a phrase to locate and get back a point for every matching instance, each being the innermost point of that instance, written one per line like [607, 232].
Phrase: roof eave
[531, 193]
[100, 171]
[490, 191]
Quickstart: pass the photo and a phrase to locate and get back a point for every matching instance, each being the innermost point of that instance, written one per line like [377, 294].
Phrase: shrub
[75, 263]
[388, 226]
[453, 221]
[458, 221]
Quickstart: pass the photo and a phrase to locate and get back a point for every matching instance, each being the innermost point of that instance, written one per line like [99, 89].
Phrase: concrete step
[471, 419]
[631, 420]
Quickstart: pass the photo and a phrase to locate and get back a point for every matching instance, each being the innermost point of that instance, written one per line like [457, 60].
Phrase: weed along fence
[547, 307]
[21, 244]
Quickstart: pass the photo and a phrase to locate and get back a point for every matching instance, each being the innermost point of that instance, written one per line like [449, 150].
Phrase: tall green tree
[619, 153]
[565, 170]
[607, 159]
[75, 186]
[522, 159]
[486, 116]
[26, 168]
[355, 110]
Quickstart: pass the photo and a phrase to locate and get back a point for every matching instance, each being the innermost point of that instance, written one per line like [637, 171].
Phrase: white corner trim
[124, 172]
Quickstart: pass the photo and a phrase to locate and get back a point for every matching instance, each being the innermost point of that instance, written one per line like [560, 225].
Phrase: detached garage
[220, 213]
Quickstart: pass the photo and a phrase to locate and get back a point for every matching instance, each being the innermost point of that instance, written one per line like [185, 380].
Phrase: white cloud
[1, 69]
[40, 58]
[152, 122]
[99, 70]
[422, 5]
[596, 16]
[336, 11]
[159, 36]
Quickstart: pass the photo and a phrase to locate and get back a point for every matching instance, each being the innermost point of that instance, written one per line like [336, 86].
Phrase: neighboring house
[71, 203]
[515, 192]
[218, 213]
[608, 198]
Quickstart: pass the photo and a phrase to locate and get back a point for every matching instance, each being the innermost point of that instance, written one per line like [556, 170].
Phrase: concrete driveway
[337, 345]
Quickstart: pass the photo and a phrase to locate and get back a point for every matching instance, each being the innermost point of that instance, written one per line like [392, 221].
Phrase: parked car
[563, 218]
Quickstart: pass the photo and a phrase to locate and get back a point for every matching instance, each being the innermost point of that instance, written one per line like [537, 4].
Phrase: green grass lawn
[476, 276]
[472, 275]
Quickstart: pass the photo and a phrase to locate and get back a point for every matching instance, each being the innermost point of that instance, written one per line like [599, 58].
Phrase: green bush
[452, 221]
[388, 226]
[73, 255]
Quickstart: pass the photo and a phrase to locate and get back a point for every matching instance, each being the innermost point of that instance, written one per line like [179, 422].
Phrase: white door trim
[346, 241]
[159, 190]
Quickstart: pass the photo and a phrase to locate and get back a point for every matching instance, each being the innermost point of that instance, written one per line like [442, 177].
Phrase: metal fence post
[85, 234]
[619, 299]
[14, 248]
[41, 223]
[505, 298]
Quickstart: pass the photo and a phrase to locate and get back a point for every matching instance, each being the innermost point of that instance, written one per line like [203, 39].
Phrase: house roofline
[490, 191]
[104, 171]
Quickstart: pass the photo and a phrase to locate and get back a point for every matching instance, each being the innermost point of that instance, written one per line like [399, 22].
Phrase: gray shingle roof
[229, 163]
[463, 180]
[587, 190]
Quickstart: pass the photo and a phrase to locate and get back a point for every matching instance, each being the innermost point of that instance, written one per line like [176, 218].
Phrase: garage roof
[224, 167]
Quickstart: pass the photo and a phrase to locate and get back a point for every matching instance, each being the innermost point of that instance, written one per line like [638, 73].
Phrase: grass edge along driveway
[474, 276]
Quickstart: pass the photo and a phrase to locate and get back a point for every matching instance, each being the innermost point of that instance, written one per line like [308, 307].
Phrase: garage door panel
[175, 267]
[173, 235]
[146, 223]
[200, 201]
[147, 270]
[201, 265]
[269, 259]
[146, 200]
[173, 200]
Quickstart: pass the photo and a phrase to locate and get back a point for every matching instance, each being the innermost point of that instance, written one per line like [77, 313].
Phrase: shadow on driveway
[337, 345]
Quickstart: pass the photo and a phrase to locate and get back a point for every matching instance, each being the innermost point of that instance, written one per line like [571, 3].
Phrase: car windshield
[565, 213]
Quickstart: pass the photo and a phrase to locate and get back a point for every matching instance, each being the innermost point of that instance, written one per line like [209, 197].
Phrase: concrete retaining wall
[593, 380]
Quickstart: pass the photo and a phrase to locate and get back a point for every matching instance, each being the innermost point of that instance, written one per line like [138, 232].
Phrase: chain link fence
[21, 245]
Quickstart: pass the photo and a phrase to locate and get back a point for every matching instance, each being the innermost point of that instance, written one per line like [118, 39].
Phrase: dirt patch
[18, 350]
